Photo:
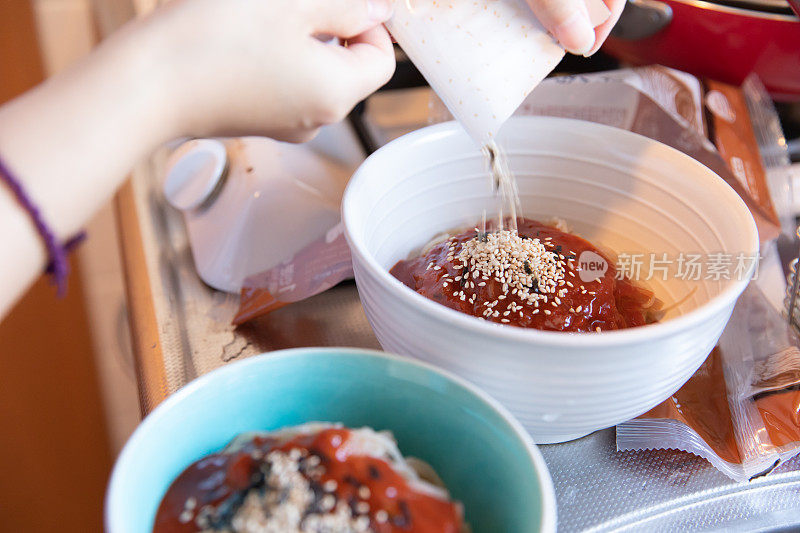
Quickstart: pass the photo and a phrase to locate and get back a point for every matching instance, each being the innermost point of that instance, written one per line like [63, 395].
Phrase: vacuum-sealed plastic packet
[773, 149]
[316, 268]
[746, 131]
[481, 57]
[741, 409]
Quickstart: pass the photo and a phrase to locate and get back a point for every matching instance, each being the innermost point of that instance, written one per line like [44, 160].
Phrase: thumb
[568, 21]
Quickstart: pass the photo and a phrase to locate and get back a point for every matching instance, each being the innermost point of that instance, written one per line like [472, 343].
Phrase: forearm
[196, 67]
[71, 142]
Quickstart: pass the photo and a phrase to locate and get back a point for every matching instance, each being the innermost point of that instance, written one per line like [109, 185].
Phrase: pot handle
[642, 19]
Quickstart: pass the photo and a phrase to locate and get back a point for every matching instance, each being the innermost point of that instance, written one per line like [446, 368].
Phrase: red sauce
[608, 303]
[219, 477]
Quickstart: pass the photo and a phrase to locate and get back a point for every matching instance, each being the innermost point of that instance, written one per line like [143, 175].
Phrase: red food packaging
[741, 409]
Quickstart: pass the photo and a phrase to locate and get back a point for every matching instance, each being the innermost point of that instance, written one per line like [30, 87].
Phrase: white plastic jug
[251, 203]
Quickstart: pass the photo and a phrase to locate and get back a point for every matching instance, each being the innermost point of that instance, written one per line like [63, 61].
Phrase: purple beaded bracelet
[58, 267]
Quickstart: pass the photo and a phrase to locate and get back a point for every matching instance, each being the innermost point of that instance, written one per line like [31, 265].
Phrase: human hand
[568, 21]
[261, 67]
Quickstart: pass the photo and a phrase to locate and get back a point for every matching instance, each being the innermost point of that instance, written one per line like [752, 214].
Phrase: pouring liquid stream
[505, 190]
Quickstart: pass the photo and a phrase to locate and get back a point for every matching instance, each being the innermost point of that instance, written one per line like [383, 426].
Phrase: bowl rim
[551, 338]
[115, 499]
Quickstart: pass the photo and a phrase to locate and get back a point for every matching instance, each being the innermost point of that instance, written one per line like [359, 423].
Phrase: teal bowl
[484, 456]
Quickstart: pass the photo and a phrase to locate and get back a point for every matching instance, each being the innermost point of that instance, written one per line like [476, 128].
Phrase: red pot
[722, 42]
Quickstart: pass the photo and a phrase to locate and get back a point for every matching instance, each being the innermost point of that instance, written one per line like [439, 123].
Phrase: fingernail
[576, 34]
[593, 51]
[379, 10]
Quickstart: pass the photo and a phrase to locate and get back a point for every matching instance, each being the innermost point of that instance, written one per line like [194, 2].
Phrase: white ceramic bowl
[617, 189]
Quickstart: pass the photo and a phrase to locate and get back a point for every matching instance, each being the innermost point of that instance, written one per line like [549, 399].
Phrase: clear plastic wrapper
[773, 149]
[741, 409]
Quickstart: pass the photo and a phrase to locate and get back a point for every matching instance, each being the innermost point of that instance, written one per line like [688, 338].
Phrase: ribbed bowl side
[556, 392]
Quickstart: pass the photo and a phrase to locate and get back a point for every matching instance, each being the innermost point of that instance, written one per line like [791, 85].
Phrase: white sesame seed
[328, 502]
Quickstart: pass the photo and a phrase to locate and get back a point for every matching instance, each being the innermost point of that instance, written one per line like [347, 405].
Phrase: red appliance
[725, 41]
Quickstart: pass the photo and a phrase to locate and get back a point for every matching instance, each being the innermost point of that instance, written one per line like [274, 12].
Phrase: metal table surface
[183, 330]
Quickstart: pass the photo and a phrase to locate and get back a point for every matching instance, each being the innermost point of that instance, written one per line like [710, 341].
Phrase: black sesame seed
[528, 269]
[403, 520]
[534, 287]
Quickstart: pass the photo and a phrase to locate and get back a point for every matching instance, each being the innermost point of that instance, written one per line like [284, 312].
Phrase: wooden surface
[54, 454]
[147, 348]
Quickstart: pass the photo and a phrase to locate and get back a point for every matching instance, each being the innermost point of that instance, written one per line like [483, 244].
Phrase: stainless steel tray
[598, 488]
